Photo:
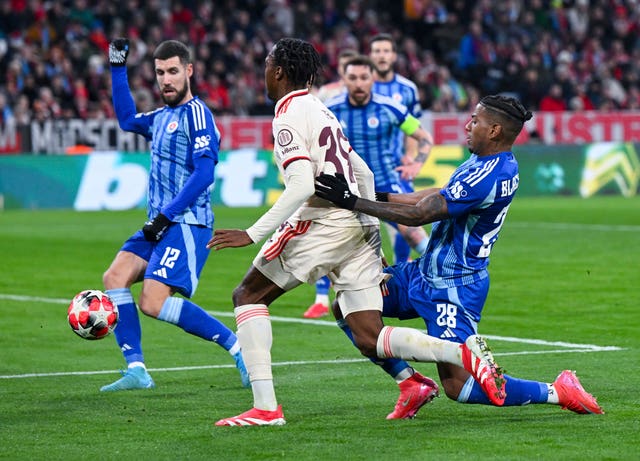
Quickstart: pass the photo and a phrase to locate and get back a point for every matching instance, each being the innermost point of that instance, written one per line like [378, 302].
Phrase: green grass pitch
[565, 281]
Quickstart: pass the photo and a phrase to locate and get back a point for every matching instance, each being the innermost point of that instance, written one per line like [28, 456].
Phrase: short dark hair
[360, 60]
[383, 37]
[510, 112]
[347, 53]
[170, 48]
[299, 60]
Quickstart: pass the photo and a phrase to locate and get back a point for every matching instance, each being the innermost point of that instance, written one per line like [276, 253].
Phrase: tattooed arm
[414, 209]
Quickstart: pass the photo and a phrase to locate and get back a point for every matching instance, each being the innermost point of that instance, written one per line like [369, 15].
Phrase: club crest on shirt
[284, 137]
[457, 190]
[172, 126]
[373, 122]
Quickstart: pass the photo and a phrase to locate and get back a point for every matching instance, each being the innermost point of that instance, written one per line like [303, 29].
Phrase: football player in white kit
[313, 238]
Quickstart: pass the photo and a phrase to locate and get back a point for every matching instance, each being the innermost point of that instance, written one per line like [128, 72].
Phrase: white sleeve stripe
[479, 175]
[197, 111]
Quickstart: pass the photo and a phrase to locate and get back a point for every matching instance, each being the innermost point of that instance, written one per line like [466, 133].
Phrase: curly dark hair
[299, 59]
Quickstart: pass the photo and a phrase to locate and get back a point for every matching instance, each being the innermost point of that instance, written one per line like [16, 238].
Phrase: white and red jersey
[304, 129]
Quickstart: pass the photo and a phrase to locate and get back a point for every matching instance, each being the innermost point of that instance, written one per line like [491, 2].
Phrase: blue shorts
[451, 313]
[177, 259]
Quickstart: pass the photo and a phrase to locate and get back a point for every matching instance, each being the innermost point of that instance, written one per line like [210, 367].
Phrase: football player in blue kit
[168, 253]
[448, 286]
[387, 82]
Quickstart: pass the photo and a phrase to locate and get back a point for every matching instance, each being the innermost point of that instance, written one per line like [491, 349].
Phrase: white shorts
[303, 251]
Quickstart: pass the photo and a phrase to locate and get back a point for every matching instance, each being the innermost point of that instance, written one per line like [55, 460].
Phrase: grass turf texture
[564, 269]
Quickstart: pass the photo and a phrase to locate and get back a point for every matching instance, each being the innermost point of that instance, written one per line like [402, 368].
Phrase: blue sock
[401, 249]
[391, 366]
[322, 286]
[519, 392]
[128, 332]
[193, 319]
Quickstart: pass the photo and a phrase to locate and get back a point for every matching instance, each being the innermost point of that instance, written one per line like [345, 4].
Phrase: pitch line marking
[566, 347]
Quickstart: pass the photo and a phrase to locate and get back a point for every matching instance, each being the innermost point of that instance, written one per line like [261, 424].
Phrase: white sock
[552, 394]
[322, 299]
[411, 344]
[136, 364]
[404, 374]
[235, 348]
[255, 338]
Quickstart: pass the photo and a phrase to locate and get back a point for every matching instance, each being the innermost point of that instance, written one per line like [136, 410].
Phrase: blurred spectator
[52, 53]
[6, 112]
[215, 94]
[553, 101]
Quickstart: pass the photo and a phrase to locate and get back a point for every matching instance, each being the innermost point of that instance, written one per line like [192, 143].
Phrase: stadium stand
[53, 53]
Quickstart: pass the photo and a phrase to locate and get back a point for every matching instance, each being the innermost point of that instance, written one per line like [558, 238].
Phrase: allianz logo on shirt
[201, 141]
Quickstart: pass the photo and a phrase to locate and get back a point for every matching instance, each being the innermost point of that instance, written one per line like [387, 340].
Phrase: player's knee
[110, 280]
[148, 308]
[239, 296]
[151, 305]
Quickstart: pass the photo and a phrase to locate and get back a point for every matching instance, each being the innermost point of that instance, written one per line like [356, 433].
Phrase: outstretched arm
[430, 208]
[298, 188]
[415, 209]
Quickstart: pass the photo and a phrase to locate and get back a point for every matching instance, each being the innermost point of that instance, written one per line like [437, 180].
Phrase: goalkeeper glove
[154, 230]
[336, 190]
[118, 52]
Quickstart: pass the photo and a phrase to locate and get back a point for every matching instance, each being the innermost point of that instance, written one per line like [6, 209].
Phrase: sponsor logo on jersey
[457, 190]
[201, 141]
[172, 126]
[162, 272]
[289, 149]
[373, 122]
[284, 137]
[448, 334]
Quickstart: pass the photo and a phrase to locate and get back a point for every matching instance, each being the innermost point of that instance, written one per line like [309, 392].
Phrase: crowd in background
[552, 54]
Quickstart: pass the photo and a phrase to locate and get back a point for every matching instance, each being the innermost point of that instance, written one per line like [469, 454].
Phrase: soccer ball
[92, 314]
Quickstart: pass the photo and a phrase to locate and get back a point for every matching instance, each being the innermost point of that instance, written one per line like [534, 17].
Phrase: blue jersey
[184, 150]
[478, 196]
[405, 92]
[369, 129]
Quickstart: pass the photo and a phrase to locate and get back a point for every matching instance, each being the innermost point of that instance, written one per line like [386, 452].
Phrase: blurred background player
[383, 53]
[448, 285]
[372, 122]
[331, 89]
[313, 238]
[169, 252]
